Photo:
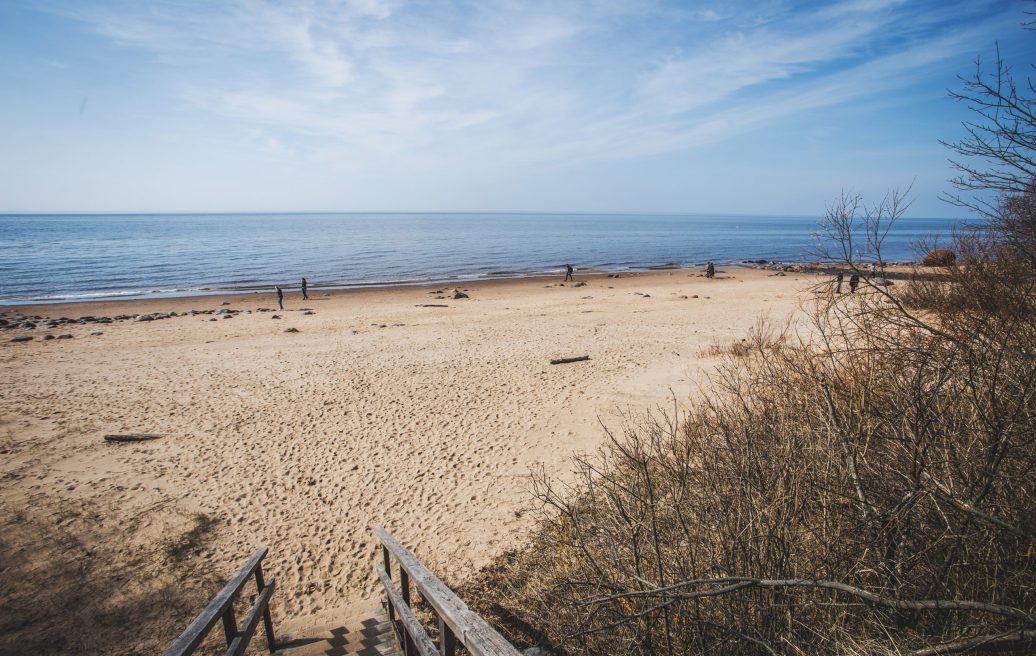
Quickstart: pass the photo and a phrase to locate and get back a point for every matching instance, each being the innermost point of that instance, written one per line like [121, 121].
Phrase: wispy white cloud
[527, 83]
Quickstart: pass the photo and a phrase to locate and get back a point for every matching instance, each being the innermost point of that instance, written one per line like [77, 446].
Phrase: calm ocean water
[77, 257]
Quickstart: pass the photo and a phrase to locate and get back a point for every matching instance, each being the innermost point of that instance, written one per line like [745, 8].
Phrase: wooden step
[365, 634]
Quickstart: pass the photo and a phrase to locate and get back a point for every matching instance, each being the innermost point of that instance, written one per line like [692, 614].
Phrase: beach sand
[424, 420]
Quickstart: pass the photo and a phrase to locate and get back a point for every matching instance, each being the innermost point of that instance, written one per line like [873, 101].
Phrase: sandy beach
[378, 411]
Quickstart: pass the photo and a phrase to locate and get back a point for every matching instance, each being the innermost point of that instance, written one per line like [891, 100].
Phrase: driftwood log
[567, 360]
[432, 305]
[131, 437]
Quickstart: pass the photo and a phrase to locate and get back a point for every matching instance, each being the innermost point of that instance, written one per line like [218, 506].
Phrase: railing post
[388, 570]
[404, 588]
[447, 641]
[404, 585]
[229, 624]
[271, 640]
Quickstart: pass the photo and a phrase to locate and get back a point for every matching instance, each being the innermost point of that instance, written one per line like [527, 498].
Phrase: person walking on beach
[854, 282]
[305, 296]
[568, 272]
[710, 270]
[838, 282]
[280, 298]
[874, 271]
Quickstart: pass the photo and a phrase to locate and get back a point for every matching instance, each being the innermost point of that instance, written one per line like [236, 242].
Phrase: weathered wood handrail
[222, 607]
[457, 622]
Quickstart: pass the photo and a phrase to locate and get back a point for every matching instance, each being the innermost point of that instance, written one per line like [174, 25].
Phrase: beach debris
[694, 296]
[225, 303]
[578, 358]
[21, 338]
[275, 316]
[97, 332]
[579, 284]
[646, 295]
[432, 305]
[456, 293]
[228, 316]
[132, 437]
[66, 336]
[309, 312]
[291, 330]
[884, 282]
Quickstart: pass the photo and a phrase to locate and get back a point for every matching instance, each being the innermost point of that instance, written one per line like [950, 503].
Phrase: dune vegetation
[866, 485]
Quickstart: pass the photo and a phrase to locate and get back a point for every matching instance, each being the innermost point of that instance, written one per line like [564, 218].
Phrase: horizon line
[441, 212]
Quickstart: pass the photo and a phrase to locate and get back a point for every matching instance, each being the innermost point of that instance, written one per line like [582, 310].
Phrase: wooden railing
[458, 625]
[222, 607]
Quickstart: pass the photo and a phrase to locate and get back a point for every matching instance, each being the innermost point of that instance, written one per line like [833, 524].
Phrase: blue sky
[371, 105]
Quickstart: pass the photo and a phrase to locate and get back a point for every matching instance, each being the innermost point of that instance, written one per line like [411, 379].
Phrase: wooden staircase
[371, 629]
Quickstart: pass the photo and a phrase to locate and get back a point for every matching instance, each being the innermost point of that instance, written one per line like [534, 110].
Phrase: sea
[75, 257]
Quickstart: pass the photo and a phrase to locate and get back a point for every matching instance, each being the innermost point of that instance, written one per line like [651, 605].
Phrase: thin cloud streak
[517, 88]
[375, 79]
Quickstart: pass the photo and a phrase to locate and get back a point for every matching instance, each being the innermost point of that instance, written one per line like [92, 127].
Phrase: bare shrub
[939, 257]
[867, 486]
[872, 486]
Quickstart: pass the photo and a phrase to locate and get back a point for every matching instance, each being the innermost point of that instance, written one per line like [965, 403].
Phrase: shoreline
[335, 288]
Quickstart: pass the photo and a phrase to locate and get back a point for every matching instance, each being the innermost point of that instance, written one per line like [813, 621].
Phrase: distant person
[710, 270]
[854, 282]
[305, 296]
[568, 272]
[838, 282]
[280, 298]
[874, 270]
